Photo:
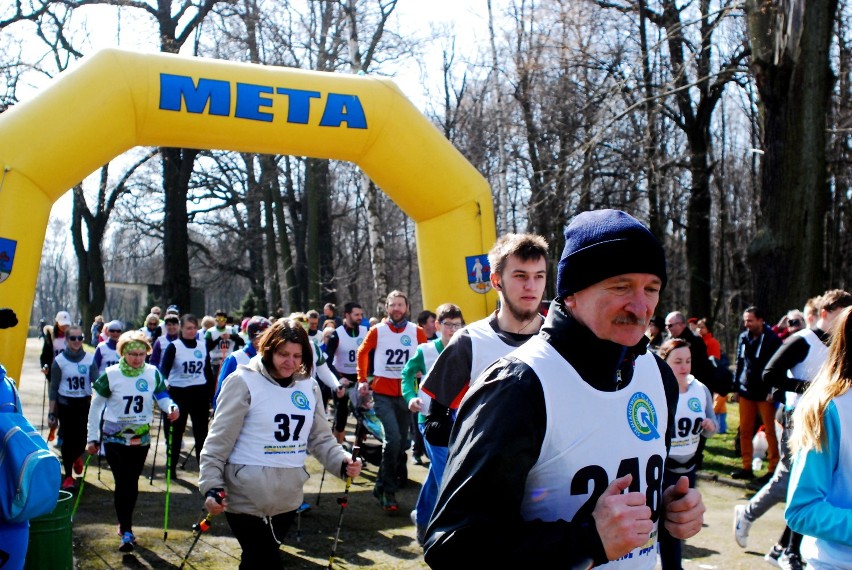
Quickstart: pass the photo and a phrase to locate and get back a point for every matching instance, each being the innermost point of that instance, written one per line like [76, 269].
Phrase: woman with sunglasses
[71, 377]
[125, 396]
[268, 418]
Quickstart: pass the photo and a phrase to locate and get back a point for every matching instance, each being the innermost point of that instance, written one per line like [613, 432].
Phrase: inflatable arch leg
[117, 100]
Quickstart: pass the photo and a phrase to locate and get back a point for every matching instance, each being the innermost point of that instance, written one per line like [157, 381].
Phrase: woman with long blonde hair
[819, 499]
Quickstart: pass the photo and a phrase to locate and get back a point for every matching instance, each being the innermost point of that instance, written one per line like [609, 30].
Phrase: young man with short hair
[518, 273]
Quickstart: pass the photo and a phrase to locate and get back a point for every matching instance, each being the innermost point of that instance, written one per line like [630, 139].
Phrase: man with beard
[518, 273]
[342, 350]
[560, 446]
[390, 345]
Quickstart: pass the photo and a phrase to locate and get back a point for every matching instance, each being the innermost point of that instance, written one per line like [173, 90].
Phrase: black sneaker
[790, 562]
[773, 555]
[742, 474]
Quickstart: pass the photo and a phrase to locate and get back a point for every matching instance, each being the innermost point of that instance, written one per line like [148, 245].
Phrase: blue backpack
[29, 473]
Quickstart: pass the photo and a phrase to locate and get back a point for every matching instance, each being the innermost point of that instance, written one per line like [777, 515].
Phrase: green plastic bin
[50, 545]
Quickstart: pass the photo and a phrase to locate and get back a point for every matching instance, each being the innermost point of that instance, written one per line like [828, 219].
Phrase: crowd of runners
[577, 432]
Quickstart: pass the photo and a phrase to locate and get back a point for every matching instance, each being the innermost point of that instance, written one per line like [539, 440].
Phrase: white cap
[114, 325]
[63, 318]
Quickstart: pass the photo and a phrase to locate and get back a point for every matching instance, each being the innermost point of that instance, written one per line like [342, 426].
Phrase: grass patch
[720, 456]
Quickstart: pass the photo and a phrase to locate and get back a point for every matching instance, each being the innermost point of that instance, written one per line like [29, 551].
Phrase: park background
[723, 125]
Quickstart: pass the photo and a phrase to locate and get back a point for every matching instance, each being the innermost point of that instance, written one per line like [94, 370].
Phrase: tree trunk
[792, 73]
[253, 238]
[177, 280]
[91, 286]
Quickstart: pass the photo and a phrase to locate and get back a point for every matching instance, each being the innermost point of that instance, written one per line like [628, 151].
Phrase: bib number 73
[651, 480]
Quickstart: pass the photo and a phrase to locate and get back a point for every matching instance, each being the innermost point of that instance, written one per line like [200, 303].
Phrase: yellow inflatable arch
[117, 100]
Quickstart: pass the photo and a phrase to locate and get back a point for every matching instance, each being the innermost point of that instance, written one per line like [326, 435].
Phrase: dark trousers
[194, 402]
[126, 462]
[671, 548]
[260, 538]
[73, 416]
[395, 417]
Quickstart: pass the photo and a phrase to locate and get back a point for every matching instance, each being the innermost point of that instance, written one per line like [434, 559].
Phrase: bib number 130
[597, 476]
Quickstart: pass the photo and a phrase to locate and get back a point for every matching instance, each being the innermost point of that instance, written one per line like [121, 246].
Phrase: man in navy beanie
[558, 448]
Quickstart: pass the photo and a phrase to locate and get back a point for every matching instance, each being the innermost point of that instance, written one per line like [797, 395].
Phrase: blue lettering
[174, 88]
[299, 108]
[249, 101]
[179, 92]
[342, 108]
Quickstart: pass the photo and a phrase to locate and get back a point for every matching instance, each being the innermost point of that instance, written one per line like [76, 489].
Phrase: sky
[466, 19]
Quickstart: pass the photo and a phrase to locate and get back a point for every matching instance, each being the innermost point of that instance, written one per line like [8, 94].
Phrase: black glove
[8, 319]
[439, 424]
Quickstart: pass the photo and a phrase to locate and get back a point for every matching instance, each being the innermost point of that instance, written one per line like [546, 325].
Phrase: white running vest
[75, 376]
[58, 345]
[430, 355]
[688, 417]
[835, 554]
[164, 343]
[346, 356]
[242, 357]
[393, 350]
[109, 357]
[188, 366]
[222, 349]
[486, 347]
[131, 400]
[808, 368]
[277, 426]
[592, 438]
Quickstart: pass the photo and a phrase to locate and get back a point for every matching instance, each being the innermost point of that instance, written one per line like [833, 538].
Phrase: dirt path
[370, 538]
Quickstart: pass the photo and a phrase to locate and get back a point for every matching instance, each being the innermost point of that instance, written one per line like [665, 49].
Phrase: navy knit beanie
[605, 243]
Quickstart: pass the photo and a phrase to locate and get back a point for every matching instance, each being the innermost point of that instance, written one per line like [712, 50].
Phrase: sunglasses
[75, 337]
[115, 330]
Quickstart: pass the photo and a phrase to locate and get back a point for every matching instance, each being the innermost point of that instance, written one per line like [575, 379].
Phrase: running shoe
[742, 474]
[790, 562]
[389, 503]
[68, 484]
[127, 542]
[774, 554]
[303, 508]
[78, 466]
[741, 526]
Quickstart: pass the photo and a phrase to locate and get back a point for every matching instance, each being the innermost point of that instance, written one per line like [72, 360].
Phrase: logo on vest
[83, 369]
[300, 400]
[197, 353]
[694, 404]
[405, 340]
[642, 417]
[142, 385]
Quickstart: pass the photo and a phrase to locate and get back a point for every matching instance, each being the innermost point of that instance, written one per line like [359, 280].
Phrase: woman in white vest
[186, 366]
[819, 499]
[268, 418]
[694, 419]
[124, 395]
[71, 377]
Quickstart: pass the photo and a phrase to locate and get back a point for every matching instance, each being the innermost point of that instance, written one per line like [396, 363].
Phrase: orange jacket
[381, 384]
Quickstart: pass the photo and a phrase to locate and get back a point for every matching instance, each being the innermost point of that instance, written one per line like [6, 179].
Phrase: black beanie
[605, 243]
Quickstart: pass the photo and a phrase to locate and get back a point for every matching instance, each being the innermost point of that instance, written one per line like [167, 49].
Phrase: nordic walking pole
[156, 445]
[82, 486]
[200, 528]
[188, 455]
[46, 372]
[319, 493]
[343, 502]
[197, 529]
[168, 482]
